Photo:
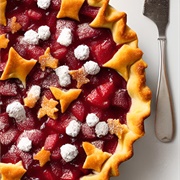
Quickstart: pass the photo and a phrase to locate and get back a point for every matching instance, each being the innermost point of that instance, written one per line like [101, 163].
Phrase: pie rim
[134, 73]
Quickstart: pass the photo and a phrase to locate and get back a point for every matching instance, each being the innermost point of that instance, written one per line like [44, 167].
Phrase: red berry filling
[104, 95]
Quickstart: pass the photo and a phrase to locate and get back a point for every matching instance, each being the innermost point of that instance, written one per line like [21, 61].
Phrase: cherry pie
[73, 93]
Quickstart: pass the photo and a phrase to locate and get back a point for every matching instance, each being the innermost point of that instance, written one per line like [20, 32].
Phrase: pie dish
[73, 90]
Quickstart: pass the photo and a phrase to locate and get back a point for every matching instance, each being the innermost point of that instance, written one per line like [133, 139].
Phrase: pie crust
[127, 61]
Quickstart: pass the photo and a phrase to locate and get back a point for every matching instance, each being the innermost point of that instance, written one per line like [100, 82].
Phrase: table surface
[153, 159]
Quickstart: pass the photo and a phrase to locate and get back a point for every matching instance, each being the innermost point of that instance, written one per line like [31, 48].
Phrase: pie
[73, 90]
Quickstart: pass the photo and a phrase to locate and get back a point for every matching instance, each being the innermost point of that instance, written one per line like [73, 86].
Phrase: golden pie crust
[17, 67]
[11, 171]
[4, 41]
[43, 156]
[80, 76]
[65, 97]
[47, 60]
[3, 4]
[127, 62]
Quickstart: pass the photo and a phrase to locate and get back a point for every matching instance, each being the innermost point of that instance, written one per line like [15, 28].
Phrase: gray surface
[153, 159]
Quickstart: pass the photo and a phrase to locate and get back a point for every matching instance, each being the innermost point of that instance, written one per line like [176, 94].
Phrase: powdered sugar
[65, 37]
[31, 37]
[73, 128]
[43, 4]
[68, 152]
[91, 67]
[34, 92]
[44, 32]
[64, 77]
[101, 129]
[92, 119]
[82, 52]
[16, 110]
[25, 144]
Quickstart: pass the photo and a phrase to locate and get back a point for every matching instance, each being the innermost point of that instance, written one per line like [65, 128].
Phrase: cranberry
[8, 88]
[23, 20]
[101, 95]
[88, 132]
[55, 4]
[4, 122]
[99, 144]
[58, 51]
[55, 154]
[89, 11]
[79, 111]
[56, 169]
[106, 89]
[35, 15]
[35, 135]
[47, 175]
[84, 31]
[103, 50]
[34, 52]
[9, 136]
[11, 156]
[121, 99]
[51, 141]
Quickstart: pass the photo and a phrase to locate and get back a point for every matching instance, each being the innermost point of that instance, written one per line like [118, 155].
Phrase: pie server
[158, 12]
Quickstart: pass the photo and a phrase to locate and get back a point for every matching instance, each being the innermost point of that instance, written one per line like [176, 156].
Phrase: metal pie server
[158, 12]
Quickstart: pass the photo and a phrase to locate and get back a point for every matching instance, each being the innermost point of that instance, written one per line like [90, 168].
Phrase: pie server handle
[164, 115]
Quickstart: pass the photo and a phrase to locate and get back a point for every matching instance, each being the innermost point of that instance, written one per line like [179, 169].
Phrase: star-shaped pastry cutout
[48, 107]
[9, 171]
[123, 59]
[17, 67]
[95, 157]
[47, 60]
[70, 9]
[4, 41]
[3, 4]
[30, 101]
[80, 76]
[43, 156]
[115, 127]
[65, 97]
[15, 26]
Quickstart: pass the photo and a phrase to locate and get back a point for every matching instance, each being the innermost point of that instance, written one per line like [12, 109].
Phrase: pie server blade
[158, 12]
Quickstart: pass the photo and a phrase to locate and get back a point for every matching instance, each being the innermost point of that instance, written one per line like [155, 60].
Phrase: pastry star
[3, 4]
[125, 57]
[80, 76]
[47, 60]
[17, 67]
[65, 97]
[15, 26]
[70, 9]
[4, 41]
[115, 127]
[95, 157]
[43, 156]
[48, 108]
[9, 171]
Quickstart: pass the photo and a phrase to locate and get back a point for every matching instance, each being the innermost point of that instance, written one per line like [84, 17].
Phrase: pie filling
[55, 93]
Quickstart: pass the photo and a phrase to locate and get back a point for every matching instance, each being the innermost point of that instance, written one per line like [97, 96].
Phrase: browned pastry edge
[127, 62]
[132, 68]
